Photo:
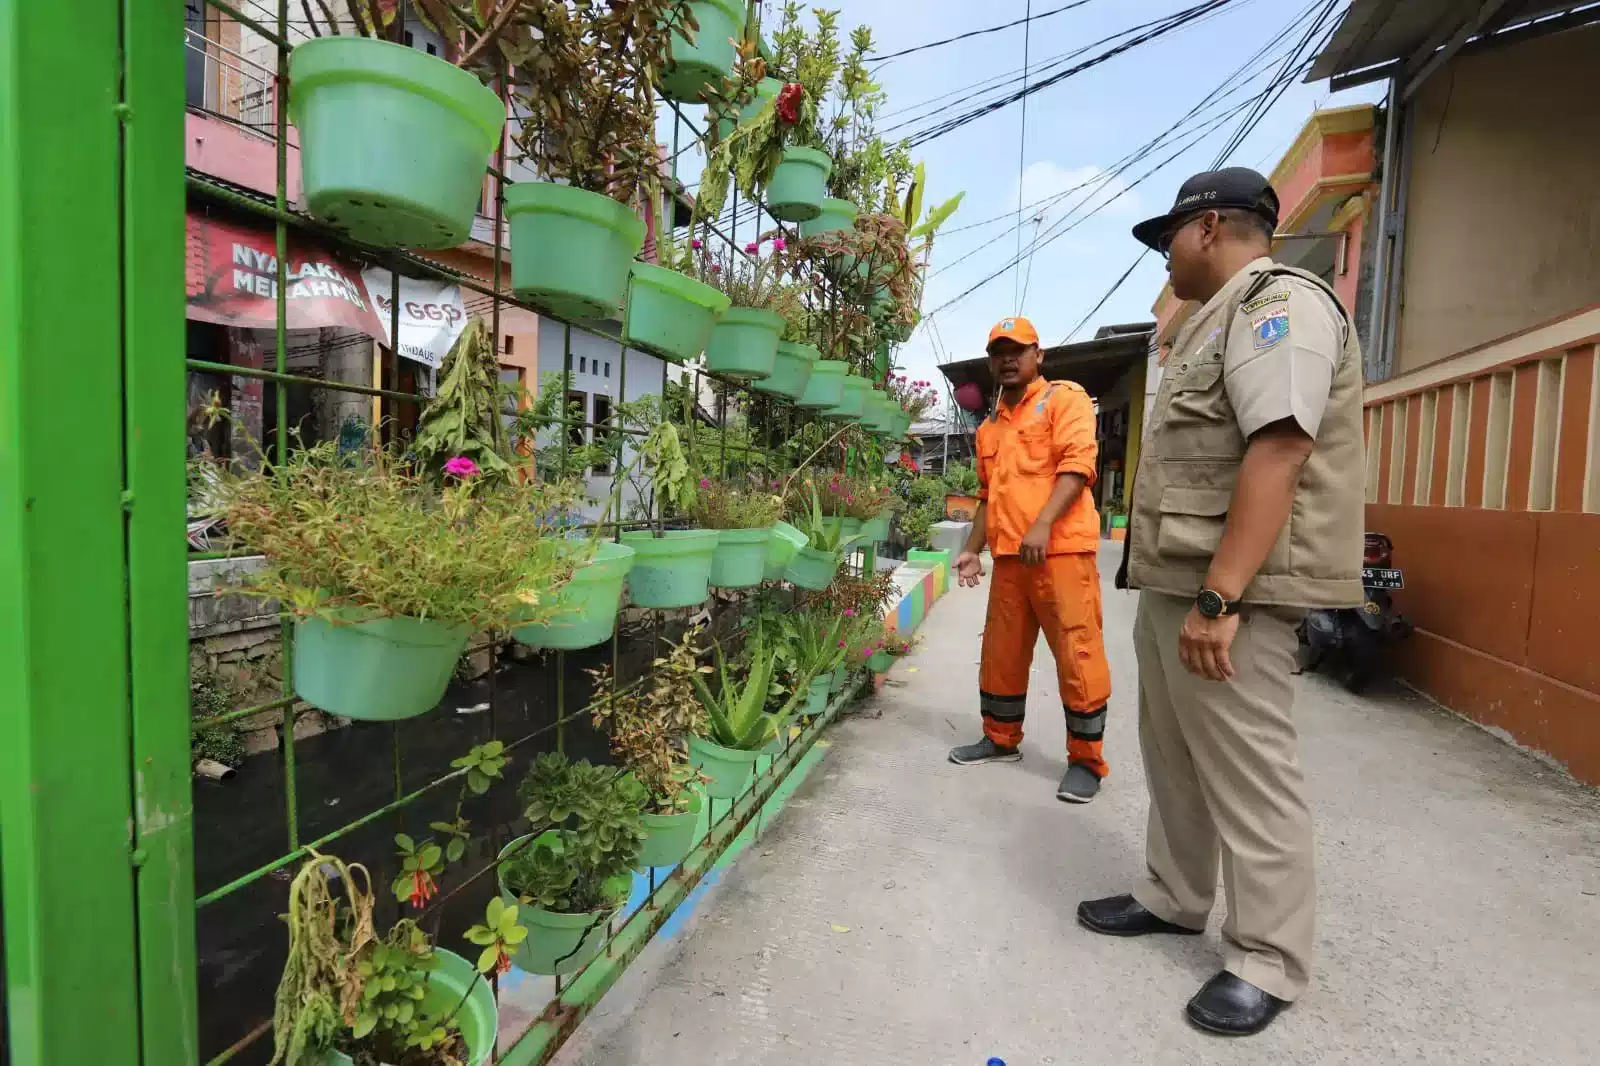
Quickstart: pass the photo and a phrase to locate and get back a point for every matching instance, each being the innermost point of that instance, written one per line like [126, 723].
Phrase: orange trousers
[1063, 598]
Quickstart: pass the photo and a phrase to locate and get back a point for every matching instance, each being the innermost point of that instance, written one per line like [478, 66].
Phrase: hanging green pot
[740, 561]
[673, 570]
[766, 90]
[851, 528]
[729, 770]
[380, 670]
[702, 64]
[557, 942]
[841, 676]
[836, 216]
[875, 530]
[852, 400]
[476, 1015]
[570, 248]
[393, 142]
[798, 185]
[669, 837]
[826, 384]
[877, 413]
[786, 540]
[902, 424]
[586, 609]
[817, 696]
[670, 314]
[791, 370]
[744, 343]
[813, 569]
[879, 662]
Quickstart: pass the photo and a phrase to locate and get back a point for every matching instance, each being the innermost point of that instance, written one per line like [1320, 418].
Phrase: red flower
[789, 98]
[422, 888]
[503, 963]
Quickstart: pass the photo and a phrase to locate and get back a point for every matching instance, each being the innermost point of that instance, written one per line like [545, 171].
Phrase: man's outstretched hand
[969, 568]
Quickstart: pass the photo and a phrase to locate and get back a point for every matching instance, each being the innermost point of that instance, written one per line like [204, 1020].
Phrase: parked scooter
[1350, 640]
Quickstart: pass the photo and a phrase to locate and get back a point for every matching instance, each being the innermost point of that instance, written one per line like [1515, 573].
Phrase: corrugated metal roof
[1380, 31]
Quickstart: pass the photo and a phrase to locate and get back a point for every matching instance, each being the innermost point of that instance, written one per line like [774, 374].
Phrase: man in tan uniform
[1247, 510]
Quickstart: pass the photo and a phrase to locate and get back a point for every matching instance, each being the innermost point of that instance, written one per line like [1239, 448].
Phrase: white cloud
[1055, 190]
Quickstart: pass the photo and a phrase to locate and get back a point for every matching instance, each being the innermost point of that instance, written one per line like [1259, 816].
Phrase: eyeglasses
[1170, 234]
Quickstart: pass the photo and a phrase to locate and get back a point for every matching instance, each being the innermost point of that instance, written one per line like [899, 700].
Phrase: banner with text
[432, 314]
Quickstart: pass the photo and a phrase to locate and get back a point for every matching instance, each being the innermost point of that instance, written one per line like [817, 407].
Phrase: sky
[1075, 131]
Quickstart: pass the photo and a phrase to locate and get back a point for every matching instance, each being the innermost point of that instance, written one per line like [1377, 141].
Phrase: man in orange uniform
[1036, 455]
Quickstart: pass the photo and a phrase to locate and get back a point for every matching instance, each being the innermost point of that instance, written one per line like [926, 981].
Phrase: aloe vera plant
[737, 712]
[824, 534]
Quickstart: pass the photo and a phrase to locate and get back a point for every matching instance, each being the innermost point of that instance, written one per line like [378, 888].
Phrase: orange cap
[1016, 329]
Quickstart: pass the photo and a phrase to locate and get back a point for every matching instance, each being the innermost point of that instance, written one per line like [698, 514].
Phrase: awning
[1096, 364]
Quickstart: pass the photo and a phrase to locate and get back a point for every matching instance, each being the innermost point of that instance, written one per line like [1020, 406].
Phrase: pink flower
[461, 467]
[779, 245]
[752, 248]
[697, 244]
[841, 644]
[775, 484]
[716, 268]
[849, 613]
[705, 483]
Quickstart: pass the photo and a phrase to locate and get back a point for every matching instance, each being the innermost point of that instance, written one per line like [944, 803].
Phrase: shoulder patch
[1270, 328]
[1257, 304]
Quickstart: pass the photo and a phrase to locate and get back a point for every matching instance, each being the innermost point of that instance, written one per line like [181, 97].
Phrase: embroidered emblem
[1009, 323]
[1257, 304]
[1270, 328]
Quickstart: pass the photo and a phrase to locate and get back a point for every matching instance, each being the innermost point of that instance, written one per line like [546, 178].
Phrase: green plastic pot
[393, 142]
[851, 528]
[702, 64]
[813, 569]
[570, 248]
[798, 185]
[785, 541]
[670, 314]
[586, 609]
[791, 370]
[1119, 521]
[875, 530]
[817, 694]
[841, 676]
[902, 424]
[826, 385]
[740, 561]
[729, 771]
[852, 399]
[381, 670]
[669, 837]
[744, 343]
[559, 943]
[836, 215]
[673, 570]
[877, 413]
[766, 90]
[879, 662]
[478, 1018]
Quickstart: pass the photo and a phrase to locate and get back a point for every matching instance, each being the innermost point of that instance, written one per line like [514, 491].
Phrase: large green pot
[826, 384]
[478, 1017]
[586, 609]
[559, 943]
[729, 770]
[673, 570]
[852, 400]
[669, 837]
[702, 64]
[875, 530]
[879, 662]
[570, 248]
[817, 695]
[791, 370]
[813, 569]
[877, 413]
[670, 314]
[851, 528]
[785, 541]
[375, 671]
[740, 561]
[393, 142]
[799, 185]
[744, 343]
[766, 90]
[836, 215]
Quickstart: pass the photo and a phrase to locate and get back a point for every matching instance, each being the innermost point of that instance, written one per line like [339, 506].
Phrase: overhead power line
[1030, 18]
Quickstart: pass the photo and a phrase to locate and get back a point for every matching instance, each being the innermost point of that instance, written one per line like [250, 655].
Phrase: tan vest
[1184, 484]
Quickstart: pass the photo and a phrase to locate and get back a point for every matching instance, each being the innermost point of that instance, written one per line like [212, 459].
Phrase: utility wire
[977, 33]
[1022, 145]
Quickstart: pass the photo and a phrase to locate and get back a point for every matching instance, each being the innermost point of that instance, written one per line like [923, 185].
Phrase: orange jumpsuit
[1022, 449]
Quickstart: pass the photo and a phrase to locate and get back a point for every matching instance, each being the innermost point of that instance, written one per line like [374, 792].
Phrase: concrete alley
[903, 910]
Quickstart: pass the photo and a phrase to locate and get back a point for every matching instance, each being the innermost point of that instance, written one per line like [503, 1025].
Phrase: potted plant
[797, 355]
[348, 995]
[702, 48]
[738, 728]
[743, 514]
[674, 304]
[672, 567]
[852, 399]
[825, 388]
[961, 492]
[569, 881]
[393, 141]
[744, 342]
[816, 644]
[586, 100]
[814, 566]
[914, 398]
[858, 154]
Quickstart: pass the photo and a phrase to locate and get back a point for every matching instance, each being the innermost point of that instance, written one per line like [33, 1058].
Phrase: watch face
[1210, 604]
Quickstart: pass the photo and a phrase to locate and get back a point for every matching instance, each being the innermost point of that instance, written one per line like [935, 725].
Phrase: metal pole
[1380, 266]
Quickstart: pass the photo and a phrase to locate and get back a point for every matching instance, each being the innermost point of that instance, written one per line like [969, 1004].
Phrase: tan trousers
[1222, 762]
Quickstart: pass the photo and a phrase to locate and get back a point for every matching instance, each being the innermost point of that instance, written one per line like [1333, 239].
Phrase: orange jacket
[1021, 452]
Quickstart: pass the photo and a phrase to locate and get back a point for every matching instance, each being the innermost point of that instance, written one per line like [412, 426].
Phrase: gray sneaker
[1080, 785]
[984, 750]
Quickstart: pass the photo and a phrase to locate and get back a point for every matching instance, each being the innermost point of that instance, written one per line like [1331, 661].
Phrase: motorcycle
[1353, 639]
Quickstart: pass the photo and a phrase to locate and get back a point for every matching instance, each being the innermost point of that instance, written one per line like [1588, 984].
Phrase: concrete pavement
[903, 910]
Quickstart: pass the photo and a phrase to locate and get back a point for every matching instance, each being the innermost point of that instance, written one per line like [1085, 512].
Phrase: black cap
[1214, 190]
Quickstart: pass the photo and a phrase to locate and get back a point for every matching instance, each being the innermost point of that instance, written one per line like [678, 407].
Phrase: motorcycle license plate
[1374, 578]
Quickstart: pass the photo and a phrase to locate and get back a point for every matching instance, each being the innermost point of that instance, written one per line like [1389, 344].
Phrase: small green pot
[879, 662]
[875, 530]
[586, 609]
[703, 63]
[902, 424]
[812, 569]
[791, 370]
[393, 142]
[740, 561]
[826, 385]
[817, 696]
[478, 1018]
[744, 343]
[841, 675]
[669, 837]
[852, 400]
[837, 215]
[670, 314]
[877, 413]
[381, 670]
[729, 770]
[673, 570]
[559, 943]
[570, 248]
[799, 185]
[786, 540]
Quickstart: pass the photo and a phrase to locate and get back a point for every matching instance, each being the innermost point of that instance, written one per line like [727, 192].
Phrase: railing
[225, 83]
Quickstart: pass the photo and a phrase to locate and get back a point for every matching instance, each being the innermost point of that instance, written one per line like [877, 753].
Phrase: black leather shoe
[1125, 916]
[1230, 1005]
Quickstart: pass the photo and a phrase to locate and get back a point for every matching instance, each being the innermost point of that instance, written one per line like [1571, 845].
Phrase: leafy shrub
[734, 504]
[598, 834]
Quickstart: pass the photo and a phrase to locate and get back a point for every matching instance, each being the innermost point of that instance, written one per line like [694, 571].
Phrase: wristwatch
[1212, 605]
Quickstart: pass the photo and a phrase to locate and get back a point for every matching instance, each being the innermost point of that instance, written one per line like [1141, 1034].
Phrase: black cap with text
[1215, 190]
